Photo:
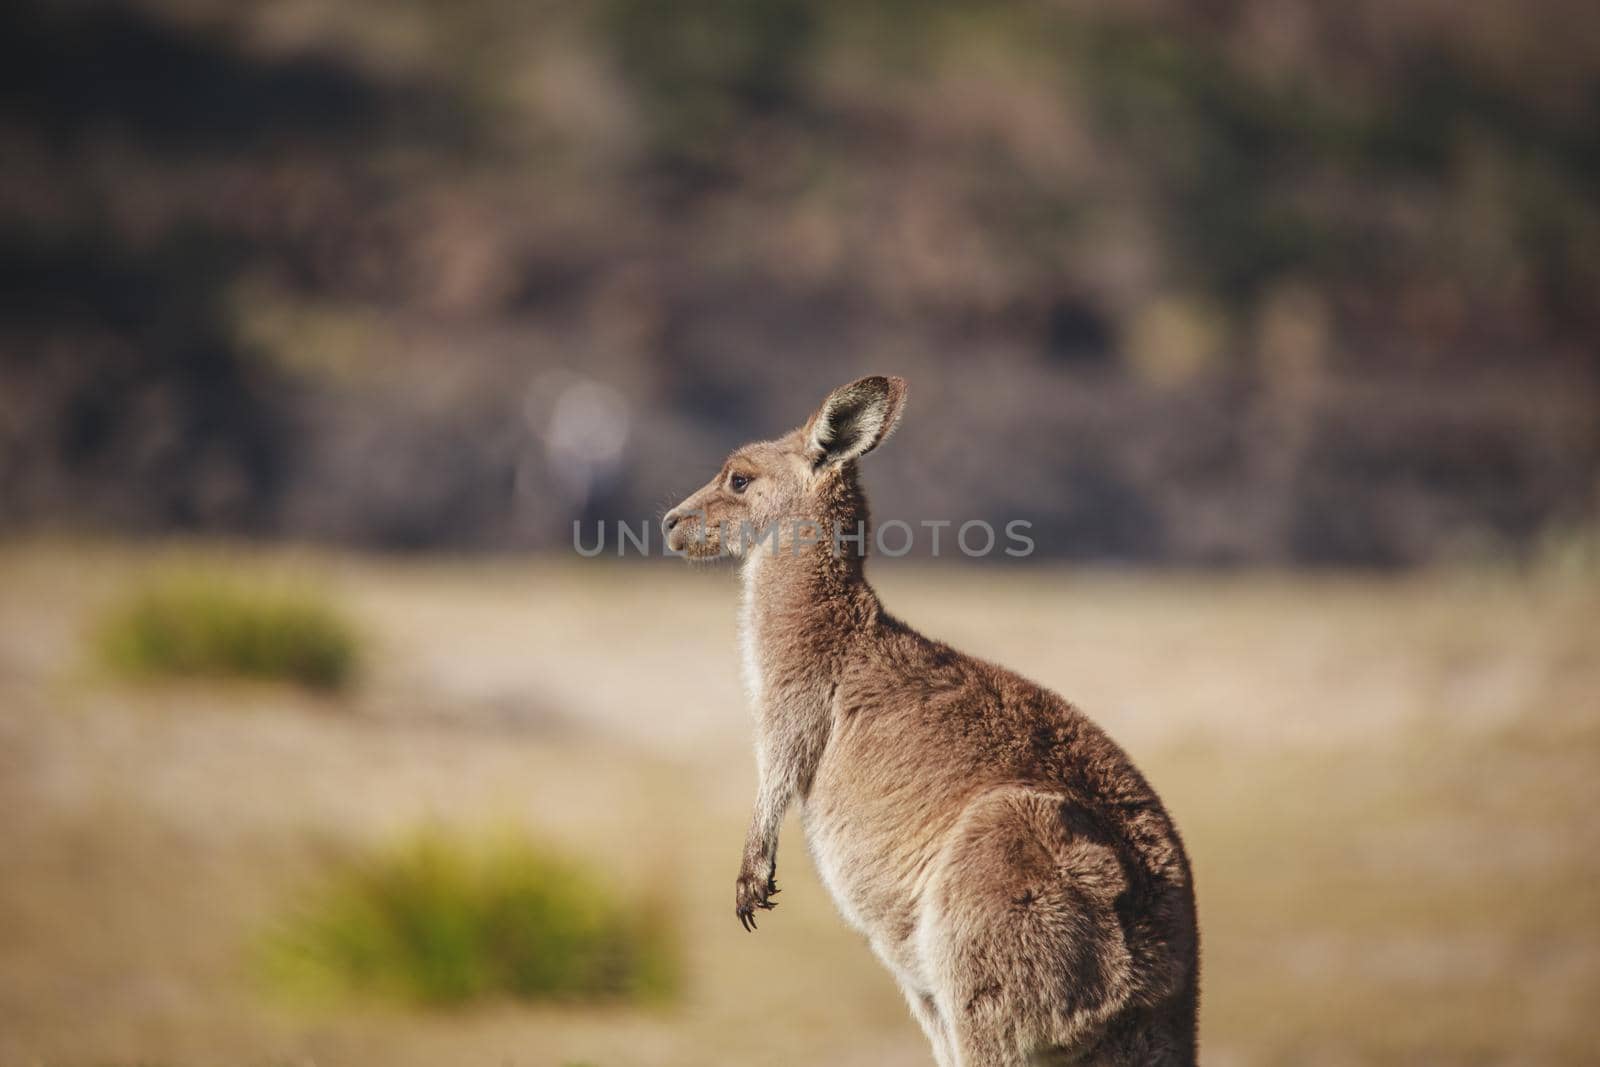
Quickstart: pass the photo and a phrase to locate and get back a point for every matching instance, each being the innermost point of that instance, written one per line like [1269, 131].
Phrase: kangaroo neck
[802, 612]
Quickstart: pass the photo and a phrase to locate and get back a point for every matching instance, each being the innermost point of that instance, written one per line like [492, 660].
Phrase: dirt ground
[1388, 787]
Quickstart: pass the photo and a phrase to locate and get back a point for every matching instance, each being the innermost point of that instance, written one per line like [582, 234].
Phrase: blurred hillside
[1270, 281]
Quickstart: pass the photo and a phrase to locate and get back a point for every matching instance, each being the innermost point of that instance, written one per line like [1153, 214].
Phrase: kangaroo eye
[739, 482]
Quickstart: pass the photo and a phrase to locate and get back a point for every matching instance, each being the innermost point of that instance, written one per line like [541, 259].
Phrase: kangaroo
[1003, 857]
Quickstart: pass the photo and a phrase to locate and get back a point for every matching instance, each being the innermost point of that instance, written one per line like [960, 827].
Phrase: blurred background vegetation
[436, 921]
[320, 324]
[1209, 283]
[200, 625]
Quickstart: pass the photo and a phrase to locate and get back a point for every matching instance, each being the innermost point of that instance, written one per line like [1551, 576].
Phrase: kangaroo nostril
[670, 521]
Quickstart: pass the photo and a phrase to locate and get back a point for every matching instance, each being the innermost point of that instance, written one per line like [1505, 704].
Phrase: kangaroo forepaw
[752, 893]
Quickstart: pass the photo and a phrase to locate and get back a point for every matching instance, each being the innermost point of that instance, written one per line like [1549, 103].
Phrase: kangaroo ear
[855, 419]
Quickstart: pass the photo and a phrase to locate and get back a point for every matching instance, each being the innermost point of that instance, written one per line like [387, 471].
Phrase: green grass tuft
[440, 922]
[205, 625]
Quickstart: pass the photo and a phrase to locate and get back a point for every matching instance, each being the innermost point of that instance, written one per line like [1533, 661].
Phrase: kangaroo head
[799, 478]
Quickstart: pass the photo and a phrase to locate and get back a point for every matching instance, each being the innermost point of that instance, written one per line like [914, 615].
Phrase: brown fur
[1004, 858]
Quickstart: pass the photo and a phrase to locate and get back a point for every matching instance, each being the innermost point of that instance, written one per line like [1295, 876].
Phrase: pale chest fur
[749, 636]
[863, 849]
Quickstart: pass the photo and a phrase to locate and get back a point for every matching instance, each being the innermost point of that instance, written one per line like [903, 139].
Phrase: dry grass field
[1389, 788]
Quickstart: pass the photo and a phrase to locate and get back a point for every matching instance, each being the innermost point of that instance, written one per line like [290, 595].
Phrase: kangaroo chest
[864, 822]
[874, 827]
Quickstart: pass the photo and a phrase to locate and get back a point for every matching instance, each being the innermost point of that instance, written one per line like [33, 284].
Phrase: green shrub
[439, 922]
[210, 626]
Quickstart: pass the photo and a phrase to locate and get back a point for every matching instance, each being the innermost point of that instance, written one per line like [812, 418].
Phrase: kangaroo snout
[688, 534]
[675, 529]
